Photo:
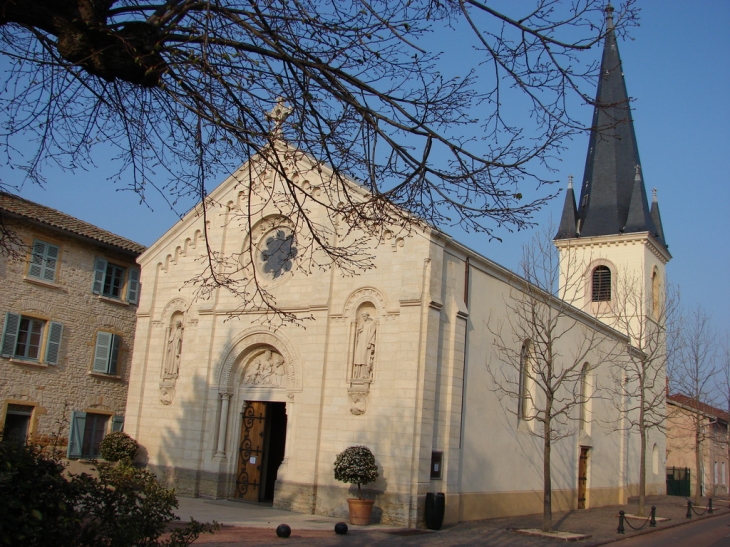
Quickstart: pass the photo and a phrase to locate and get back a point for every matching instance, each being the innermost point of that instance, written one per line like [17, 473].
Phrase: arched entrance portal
[261, 449]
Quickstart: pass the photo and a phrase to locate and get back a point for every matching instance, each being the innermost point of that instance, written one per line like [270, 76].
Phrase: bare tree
[692, 374]
[181, 90]
[723, 389]
[648, 315]
[545, 348]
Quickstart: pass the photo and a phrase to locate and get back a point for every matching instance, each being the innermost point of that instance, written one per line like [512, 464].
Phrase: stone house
[68, 309]
[688, 420]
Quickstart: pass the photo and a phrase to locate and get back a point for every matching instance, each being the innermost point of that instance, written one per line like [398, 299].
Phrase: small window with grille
[601, 284]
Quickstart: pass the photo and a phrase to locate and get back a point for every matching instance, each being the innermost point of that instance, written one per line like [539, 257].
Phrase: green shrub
[36, 501]
[118, 446]
[124, 507]
[356, 465]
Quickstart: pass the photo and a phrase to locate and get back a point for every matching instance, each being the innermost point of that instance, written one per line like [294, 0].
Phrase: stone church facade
[395, 358]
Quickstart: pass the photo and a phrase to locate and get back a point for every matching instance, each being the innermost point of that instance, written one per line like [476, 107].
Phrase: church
[401, 358]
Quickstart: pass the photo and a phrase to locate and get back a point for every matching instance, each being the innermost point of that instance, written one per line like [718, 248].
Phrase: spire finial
[653, 196]
[637, 167]
[609, 16]
[570, 182]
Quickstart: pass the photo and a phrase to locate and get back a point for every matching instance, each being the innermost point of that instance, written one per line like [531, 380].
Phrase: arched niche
[363, 296]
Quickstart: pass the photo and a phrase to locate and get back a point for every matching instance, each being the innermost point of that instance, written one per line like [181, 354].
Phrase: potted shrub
[356, 465]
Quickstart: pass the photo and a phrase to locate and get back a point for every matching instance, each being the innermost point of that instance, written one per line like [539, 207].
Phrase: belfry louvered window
[601, 284]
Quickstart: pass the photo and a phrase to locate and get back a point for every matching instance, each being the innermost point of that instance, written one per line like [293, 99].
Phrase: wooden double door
[261, 451]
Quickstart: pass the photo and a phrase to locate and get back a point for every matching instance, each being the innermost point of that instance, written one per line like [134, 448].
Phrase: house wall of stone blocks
[40, 391]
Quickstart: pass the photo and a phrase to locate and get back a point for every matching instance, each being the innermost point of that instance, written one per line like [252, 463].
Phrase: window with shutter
[94, 432]
[133, 286]
[109, 281]
[53, 343]
[117, 423]
[106, 352]
[23, 336]
[76, 434]
[43, 261]
[10, 334]
[87, 431]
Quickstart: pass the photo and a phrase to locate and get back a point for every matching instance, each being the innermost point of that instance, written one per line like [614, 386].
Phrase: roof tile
[56, 219]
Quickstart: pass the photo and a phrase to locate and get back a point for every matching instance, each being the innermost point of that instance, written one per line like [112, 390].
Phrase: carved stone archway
[247, 342]
[238, 355]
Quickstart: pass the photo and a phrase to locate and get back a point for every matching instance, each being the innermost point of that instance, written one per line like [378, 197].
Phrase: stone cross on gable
[279, 113]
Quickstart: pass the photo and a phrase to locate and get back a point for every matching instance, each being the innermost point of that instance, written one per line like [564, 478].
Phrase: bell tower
[612, 236]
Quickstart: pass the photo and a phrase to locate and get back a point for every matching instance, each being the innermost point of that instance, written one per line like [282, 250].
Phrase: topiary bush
[356, 465]
[118, 446]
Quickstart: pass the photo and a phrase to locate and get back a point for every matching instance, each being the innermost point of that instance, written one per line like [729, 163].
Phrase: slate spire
[612, 195]
[657, 218]
[569, 218]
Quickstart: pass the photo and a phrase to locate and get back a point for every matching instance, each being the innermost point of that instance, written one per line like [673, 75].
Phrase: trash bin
[435, 505]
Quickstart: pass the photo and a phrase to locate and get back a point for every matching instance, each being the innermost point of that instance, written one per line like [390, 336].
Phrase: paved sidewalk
[252, 524]
[255, 515]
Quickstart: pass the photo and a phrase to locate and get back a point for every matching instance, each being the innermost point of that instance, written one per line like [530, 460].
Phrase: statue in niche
[174, 348]
[364, 348]
[266, 369]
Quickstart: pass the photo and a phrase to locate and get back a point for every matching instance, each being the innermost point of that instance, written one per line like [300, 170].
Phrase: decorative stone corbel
[359, 397]
[167, 392]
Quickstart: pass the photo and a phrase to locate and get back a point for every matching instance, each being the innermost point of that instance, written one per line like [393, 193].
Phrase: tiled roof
[20, 207]
[704, 408]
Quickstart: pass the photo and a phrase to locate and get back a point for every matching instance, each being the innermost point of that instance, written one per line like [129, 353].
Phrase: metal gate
[678, 481]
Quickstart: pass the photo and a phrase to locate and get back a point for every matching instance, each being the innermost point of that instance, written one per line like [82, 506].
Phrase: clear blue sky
[677, 68]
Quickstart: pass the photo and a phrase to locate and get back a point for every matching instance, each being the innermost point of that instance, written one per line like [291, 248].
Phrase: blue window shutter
[76, 435]
[117, 423]
[53, 344]
[133, 286]
[36, 259]
[102, 351]
[114, 354]
[99, 273]
[10, 334]
[50, 261]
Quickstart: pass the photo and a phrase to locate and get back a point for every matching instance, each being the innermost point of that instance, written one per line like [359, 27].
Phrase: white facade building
[394, 358]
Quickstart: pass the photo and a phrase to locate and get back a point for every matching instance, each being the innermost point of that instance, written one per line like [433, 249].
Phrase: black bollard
[689, 509]
[283, 530]
[621, 522]
[340, 528]
[652, 520]
[709, 507]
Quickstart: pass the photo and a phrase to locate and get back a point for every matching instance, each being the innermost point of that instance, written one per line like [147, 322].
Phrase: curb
[657, 529]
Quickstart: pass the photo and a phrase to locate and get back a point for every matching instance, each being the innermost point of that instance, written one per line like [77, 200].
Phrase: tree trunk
[547, 502]
[642, 464]
[698, 459]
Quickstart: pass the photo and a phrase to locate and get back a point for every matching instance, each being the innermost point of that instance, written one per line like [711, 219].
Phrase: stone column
[223, 425]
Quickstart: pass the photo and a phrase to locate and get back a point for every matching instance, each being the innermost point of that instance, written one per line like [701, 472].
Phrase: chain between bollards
[689, 509]
[621, 522]
[652, 520]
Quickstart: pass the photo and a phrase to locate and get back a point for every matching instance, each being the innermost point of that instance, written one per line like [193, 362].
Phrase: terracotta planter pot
[360, 511]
